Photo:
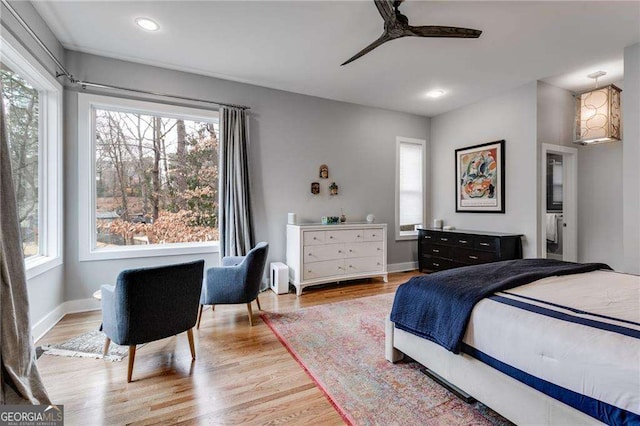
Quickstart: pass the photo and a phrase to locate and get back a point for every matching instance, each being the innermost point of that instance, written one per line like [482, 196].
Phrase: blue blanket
[438, 306]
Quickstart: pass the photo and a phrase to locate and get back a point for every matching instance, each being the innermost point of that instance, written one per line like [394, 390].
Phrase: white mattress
[582, 358]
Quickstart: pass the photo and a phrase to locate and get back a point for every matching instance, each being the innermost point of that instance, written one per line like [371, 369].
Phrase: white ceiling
[298, 46]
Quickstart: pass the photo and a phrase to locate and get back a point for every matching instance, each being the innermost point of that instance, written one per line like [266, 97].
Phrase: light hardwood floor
[241, 375]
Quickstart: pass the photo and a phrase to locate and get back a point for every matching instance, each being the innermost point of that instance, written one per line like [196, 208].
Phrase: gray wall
[510, 116]
[45, 290]
[631, 159]
[291, 136]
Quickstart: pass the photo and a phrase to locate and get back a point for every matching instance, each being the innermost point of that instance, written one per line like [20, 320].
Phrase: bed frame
[512, 399]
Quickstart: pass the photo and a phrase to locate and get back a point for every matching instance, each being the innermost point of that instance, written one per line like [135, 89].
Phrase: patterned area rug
[88, 345]
[341, 346]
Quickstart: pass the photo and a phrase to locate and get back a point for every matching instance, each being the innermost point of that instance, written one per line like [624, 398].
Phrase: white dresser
[318, 254]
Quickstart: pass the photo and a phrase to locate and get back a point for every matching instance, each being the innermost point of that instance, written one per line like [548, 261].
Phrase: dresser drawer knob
[427, 237]
[378, 263]
[436, 251]
[484, 244]
[350, 251]
[340, 267]
[310, 254]
[350, 266]
[373, 235]
[314, 238]
[331, 237]
[339, 251]
[463, 241]
[436, 264]
[309, 270]
[358, 236]
[379, 249]
[444, 239]
[473, 257]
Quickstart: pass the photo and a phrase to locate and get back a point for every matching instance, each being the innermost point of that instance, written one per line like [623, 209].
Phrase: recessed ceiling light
[147, 24]
[436, 93]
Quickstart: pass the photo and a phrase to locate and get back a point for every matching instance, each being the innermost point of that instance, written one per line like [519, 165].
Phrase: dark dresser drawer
[474, 257]
[437, 264]
[486, 243]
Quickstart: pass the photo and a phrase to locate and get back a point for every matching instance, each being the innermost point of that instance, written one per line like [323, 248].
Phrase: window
[32, 101]
[152, 171]
[410, 186]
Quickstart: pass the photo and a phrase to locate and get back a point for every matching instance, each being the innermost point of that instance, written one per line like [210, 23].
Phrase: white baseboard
[40, 328]
[402, 267]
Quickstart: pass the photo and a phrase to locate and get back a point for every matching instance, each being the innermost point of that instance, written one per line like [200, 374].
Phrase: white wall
[510, 116]
[45, 290]
[631, 159]
[291, 135]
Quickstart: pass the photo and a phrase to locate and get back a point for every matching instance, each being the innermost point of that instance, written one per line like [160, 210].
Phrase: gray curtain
[20, 382]
[236, 227]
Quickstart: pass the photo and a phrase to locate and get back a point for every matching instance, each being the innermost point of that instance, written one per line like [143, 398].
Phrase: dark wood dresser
[439, 250]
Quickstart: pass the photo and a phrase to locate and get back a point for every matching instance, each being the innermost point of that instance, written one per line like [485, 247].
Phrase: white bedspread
[602, 364]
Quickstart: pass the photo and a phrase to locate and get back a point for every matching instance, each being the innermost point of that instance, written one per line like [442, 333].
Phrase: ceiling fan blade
[439, 31]
[382, 39]
[385, 7]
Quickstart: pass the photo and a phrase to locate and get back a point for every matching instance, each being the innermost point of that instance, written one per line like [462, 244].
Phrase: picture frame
[480, 178]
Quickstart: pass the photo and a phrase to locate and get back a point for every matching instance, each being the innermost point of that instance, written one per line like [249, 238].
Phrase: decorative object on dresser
[439, 250]
[318, 254]
[480, 178]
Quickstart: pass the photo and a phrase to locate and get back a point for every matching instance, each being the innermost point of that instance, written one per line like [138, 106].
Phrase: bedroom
[307, 111]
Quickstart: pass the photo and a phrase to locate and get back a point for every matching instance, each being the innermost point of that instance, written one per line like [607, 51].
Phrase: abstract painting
[480, 178]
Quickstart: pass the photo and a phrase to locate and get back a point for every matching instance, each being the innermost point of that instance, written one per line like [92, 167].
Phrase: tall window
[32, 102]
[155, 177]
[410, 186]
[20, 102]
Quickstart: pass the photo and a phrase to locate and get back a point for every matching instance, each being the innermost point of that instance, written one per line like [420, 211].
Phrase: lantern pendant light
[598, 117]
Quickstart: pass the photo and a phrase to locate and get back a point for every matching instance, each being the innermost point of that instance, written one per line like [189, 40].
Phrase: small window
[153, 171]
[410, 186]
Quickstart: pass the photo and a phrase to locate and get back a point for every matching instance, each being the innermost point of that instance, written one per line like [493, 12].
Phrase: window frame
[50, 185]
[87, 250]
[410, 235]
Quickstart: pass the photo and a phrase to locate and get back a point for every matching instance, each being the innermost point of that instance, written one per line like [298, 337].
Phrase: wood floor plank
[242, 374]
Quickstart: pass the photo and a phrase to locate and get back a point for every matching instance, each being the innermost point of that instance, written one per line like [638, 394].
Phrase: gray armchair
[150, 304]
[236, 281]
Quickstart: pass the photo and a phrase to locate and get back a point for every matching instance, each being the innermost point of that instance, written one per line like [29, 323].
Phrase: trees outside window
[21, 104]
[156, 179]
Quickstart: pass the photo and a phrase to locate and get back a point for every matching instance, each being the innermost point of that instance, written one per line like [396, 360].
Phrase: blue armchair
[150, 304]
[236, 281]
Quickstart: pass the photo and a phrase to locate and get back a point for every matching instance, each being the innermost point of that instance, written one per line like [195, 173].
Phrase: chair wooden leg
[258, 302]
[191, 345]
[199, 317]
[132, 358]
[250, 314]
[105, 350]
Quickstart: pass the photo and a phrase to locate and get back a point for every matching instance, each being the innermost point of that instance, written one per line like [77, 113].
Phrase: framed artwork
[480, 178]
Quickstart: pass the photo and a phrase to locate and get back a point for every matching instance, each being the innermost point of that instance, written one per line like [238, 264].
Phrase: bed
[552, 348]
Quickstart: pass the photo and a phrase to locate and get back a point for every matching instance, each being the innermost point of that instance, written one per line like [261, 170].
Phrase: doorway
[559, 227]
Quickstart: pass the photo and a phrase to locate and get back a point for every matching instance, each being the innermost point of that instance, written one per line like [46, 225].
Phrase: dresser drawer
[373, 234]
[363, 249]
[323, 269]
[486, 243]
[344, 236]
[463, 240]
[313, 237]
[363, 264]
[437, 264]
[322, 252]
[436, 250]
[473, 257]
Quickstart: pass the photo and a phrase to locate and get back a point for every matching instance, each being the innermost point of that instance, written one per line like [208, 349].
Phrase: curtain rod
[84, 84]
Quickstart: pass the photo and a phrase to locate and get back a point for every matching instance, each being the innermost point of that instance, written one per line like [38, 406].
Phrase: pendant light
[598, 114]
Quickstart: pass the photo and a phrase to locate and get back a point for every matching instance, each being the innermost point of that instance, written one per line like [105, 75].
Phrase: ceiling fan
[396, 25]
